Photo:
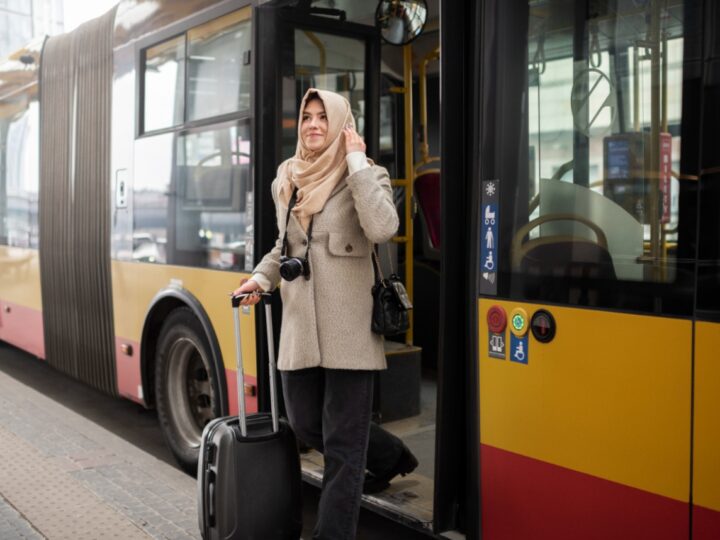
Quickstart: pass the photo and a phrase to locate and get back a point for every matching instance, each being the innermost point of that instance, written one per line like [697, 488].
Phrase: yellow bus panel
[609, 397]
[706, 449]
[136, 284]
[20, 277]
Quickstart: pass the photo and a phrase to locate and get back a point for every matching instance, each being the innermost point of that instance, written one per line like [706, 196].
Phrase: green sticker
[518, 322]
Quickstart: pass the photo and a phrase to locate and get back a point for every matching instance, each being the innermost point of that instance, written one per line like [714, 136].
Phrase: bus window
[219, 70]
[600, 203]
[19, 175]
[197, 212]
[164, 82]
[213, 177]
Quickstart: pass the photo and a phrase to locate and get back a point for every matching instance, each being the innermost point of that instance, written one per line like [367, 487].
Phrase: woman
[332, 205]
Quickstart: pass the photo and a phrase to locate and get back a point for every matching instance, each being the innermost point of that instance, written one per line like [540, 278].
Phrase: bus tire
[187, 395]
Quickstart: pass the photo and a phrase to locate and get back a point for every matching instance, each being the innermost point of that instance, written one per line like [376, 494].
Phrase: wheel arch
[162, 304]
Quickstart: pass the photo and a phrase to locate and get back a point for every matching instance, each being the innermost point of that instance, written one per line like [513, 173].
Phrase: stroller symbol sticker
[489, 215]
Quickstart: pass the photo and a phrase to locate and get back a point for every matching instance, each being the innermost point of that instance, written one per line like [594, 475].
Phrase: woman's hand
[353, 141]
[251, 288]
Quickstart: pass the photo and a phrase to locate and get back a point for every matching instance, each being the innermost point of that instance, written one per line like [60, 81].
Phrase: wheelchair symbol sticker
[519, 349]
[489, 263]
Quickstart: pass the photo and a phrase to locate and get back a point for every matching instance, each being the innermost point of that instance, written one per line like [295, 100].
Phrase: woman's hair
[314, 97]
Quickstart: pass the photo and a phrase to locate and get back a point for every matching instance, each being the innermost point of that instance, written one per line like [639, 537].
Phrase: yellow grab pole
[409, 180]
[321, 50]
[422, 96]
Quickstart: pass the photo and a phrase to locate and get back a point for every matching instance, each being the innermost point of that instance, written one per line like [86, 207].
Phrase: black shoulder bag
[390, 303]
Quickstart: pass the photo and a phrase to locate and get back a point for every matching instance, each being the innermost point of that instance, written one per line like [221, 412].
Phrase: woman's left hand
[353, 141]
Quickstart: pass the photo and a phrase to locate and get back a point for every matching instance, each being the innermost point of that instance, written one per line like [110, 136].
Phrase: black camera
[293, 267]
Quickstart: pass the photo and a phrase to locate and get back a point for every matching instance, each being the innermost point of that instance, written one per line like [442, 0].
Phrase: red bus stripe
[527, 498]
[127, 368]
[706, 523]
[129, 378]
[23, 327]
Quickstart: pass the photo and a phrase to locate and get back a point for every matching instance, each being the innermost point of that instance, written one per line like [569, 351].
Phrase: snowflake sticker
[490, 189]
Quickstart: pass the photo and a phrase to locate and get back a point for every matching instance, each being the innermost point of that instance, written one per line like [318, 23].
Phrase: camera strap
[291, 204]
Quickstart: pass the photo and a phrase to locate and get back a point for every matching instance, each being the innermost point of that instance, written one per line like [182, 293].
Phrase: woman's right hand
[251, 288]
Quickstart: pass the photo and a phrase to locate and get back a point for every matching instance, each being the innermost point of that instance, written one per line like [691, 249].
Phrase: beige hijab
[316, 174]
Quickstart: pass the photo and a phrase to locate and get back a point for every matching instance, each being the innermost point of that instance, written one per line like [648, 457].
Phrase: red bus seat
[427, 192]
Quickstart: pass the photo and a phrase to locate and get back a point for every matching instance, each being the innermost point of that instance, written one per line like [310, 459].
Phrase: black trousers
[330, 410]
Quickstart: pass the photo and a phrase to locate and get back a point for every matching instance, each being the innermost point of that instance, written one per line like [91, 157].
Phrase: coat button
[348, 248]
[304, 242]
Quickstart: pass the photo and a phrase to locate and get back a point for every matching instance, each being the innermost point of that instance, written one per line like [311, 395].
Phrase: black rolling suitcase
[249, 483]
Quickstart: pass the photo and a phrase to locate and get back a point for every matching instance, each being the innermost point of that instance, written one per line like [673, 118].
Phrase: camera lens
[290, 268]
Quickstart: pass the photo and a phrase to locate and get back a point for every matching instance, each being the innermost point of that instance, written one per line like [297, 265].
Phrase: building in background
[22, 20]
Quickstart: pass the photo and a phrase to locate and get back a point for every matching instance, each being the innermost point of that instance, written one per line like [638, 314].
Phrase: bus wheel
[186, 389]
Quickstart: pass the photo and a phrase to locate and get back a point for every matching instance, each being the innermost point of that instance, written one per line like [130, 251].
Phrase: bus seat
[568, 256]
[623, 232]
[427, 193]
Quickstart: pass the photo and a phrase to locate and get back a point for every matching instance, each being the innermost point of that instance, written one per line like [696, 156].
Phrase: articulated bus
[557, 174]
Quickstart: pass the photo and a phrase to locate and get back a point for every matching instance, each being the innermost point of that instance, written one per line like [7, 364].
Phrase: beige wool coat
[326, 319]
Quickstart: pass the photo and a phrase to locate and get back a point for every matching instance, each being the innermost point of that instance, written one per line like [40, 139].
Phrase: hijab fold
[316, 174]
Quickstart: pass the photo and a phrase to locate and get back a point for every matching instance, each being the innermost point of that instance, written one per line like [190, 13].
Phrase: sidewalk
[65, 477]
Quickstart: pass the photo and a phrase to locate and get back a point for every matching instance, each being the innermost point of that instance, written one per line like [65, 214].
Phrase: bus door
[706, 368]
[300, 47]
[586, 274]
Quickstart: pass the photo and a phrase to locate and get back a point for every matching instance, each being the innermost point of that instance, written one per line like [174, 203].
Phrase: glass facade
[22, 20]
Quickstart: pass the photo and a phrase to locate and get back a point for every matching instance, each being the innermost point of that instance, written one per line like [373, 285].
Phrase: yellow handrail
[407, 182]
[422, 96]
[321, 50]
[409, 178]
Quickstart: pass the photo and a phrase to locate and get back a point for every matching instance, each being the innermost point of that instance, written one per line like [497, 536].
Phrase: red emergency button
[543, 326]
[496, 319]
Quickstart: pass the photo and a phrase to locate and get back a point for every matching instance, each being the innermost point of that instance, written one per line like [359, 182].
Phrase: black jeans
[330, 410]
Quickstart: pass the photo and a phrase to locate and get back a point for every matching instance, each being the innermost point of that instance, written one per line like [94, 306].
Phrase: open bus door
[300, 47]
[297, 48]
[586, 270]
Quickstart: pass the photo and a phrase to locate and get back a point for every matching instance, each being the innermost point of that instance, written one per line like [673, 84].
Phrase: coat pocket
[348, 245]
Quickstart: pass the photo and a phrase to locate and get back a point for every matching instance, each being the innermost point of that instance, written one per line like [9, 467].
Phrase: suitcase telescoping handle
[271, 361]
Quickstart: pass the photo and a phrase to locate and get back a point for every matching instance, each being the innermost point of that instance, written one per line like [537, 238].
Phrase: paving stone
[89, 471]
[14, 526]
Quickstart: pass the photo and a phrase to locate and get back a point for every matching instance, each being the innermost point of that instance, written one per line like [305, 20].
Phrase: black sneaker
[406, 464]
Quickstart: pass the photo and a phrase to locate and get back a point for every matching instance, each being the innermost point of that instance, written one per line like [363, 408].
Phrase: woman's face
[313, 129]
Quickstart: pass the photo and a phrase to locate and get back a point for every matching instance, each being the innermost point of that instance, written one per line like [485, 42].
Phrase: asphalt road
[139, 426]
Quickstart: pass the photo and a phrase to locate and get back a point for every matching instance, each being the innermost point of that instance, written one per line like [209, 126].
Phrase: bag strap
[387, 247]
[376, 262]
[376, 265]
